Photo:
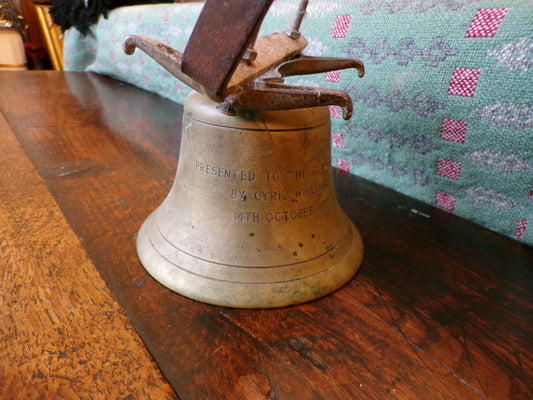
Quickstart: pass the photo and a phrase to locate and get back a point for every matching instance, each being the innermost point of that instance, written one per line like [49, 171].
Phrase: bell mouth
[249, 287]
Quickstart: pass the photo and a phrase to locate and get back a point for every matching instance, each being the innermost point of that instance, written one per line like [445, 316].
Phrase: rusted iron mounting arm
[166, 56]
[278, 96]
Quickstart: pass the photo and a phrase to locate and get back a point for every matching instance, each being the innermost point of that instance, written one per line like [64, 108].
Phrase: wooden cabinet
[52, 35]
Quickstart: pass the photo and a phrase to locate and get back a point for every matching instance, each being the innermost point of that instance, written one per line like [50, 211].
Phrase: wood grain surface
[441, 309]
[63, 336]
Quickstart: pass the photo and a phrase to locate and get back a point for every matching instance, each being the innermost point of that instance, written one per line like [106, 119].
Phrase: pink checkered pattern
[464, 82]
[343, 167]
[333, 76]
[179, 87]
[340, 27]
[338, 140]
[166, 18]
[449, 169]
[521, 226]
[445, 201]
[486, 22]
[335, 112]
[453, 130]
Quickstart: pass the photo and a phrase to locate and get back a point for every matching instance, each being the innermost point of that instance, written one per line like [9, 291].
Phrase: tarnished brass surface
[252, 219]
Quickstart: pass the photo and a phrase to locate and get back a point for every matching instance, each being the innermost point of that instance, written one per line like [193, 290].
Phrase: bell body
[252, 220]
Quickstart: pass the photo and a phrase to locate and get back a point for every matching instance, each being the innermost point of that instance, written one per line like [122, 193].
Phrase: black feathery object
[82, 14]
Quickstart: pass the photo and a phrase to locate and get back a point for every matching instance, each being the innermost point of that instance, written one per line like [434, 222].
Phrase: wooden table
[441, 309]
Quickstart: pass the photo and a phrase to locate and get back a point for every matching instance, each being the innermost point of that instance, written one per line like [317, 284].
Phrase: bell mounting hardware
[226, 61]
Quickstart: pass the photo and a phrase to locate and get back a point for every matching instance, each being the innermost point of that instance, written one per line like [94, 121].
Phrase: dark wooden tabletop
[441, 308]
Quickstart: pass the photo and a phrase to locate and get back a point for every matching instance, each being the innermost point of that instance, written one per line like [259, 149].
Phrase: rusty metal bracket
[226, 61]
[166, 56]
[306, 65]
[223, 32]
[278, 96]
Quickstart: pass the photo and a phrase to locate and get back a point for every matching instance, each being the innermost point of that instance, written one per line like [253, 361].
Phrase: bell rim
[258, 295]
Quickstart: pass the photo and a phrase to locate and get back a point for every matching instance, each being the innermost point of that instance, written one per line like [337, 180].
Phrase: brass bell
[252, 220]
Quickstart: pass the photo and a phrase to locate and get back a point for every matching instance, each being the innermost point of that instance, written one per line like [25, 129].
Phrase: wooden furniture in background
[33, 31]
[441, 309]
[53, 37]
